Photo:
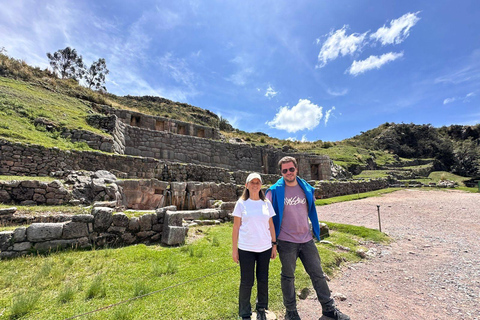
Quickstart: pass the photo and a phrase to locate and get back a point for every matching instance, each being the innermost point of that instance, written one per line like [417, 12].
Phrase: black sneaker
[292, 315]
[336, 314]
[261, 314]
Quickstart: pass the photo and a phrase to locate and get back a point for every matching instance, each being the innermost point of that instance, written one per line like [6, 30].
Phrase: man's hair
[286, 160]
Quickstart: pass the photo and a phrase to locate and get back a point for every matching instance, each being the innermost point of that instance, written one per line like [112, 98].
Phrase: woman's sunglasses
[291, 169]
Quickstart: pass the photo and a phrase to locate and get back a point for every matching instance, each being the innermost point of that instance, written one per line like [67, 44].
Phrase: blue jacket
[278, 202]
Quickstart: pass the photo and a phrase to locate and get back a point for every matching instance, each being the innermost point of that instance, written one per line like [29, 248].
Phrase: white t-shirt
[254, 234]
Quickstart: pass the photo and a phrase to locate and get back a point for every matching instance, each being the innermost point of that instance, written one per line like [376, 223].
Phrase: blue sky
[304, 70]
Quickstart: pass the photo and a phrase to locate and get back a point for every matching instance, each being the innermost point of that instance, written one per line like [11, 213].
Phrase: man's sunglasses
[291, 169]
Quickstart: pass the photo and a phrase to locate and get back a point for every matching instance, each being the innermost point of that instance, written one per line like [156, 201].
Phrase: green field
[195, 281]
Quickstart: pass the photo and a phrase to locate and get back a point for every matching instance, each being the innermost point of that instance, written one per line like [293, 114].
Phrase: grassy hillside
[28, 93]
[22, 103]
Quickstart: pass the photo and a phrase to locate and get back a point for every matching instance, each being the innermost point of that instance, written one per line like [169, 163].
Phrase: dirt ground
[430, 271]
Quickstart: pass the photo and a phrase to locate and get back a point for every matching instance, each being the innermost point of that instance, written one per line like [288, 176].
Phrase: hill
[36, 107]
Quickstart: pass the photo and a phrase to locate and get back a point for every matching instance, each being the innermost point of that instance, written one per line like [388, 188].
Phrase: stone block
[73, 230]
[114, 229]
[133, 224]
[7, 211]
[146, 222]
[174, 235]
[128, 238]
[20, 234]
[5, 240]
[120, 220]
[87, 218]
[4, 196]
[54, 245]
[173, 219]
[102, 218]
[22, 246]
[44, 231]
[145, 234]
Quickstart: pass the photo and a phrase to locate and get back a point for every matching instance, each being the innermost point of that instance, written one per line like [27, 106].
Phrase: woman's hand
[274, 252]
[235, 255]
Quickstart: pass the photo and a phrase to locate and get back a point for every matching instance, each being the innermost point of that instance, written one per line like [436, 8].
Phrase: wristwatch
[274, 243]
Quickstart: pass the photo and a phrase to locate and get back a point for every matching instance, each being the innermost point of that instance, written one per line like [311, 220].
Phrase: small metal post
[379, 221]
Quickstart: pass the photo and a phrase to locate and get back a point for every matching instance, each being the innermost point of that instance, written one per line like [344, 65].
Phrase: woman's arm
[274, 239]
[237, 221]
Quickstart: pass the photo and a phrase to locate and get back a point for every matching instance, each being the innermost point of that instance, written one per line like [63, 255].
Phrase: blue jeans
[247, 261]
[289, 252]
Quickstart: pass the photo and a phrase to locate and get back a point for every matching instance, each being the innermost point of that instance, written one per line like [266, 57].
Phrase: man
[294, 202]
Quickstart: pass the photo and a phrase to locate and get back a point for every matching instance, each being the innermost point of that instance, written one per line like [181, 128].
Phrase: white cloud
[337, 92]
[338, 43]
[328, 114]
[398, 31]
[373, 62]
[270, 92]
[304, 115]
[465, 99]
[304, 138]
[449, 100]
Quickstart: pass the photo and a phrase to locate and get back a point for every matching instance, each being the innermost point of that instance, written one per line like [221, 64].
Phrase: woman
[253, 241]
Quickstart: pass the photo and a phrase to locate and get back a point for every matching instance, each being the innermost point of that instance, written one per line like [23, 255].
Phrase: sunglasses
[291, 169]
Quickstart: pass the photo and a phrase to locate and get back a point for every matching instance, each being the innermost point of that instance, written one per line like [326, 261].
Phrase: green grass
[372, 174]
[322, 202]
[23, 178]
[21, 103]
[68, 283]
[437, 176]
[45, 209]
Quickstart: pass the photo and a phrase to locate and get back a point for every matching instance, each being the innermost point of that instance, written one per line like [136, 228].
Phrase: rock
[173, 219]
[44, 231]
[102, 218]
[107, 204]
[73, 230]
[120, 220]
[104, 174]
[7, 211]
[20, 234]
[5, 240]
[174, 235]
[133, 224]
[22, 246]
[87, 218]
[339, 296]
[304, 293]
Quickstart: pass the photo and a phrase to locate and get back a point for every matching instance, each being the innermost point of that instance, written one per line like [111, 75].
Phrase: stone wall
[93, 140]
[160, 124]
[98, 229]
[328, 189]
[34, 160]
[138, 134]
[34, 192]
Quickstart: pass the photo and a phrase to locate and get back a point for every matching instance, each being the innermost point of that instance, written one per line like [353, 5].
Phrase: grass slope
[21, 103]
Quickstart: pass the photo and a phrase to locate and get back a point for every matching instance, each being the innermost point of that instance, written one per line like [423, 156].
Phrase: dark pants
[247, 272]
[289, 252]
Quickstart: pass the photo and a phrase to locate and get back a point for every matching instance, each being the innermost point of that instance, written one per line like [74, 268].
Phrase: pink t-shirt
[295, 226]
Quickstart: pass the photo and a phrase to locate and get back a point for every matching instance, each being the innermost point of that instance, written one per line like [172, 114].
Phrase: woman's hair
[246, 194]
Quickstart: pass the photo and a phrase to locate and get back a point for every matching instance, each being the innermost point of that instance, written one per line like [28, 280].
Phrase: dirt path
[431, 271]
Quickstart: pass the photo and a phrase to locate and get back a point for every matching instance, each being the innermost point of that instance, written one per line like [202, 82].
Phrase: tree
[95, 75]
[67, 63]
